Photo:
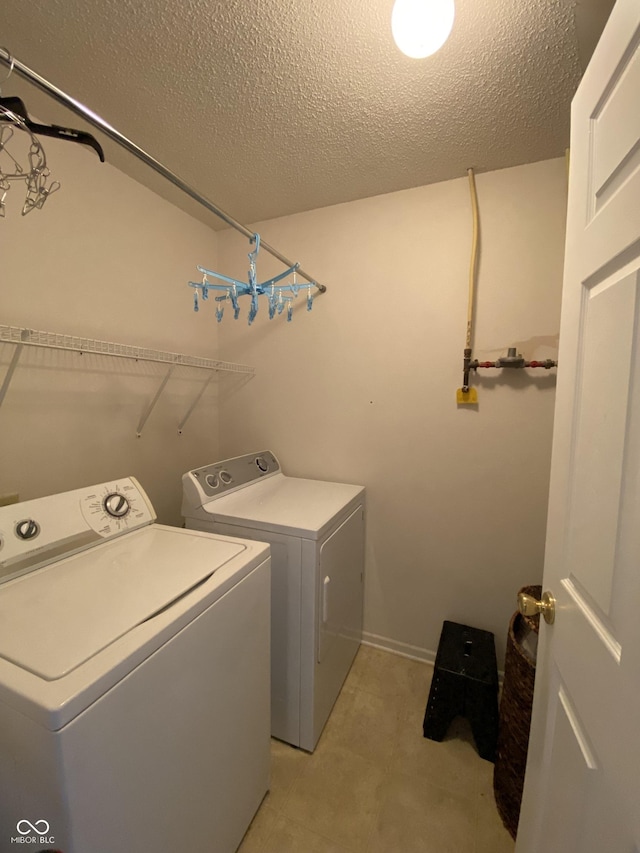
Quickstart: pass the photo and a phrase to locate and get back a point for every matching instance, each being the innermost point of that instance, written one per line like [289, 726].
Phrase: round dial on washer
[116, 505]
[212, 480]
[262, 464]
[27, 529]
[226, 477]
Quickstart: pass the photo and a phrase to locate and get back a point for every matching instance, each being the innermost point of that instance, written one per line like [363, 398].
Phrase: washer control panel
[41, 531]
[113, 508]
[223, 477]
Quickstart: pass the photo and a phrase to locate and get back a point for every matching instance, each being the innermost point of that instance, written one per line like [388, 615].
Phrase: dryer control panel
[218, 478]
[35, 533]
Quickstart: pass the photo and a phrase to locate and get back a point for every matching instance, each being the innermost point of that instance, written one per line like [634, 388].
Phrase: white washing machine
[134, 678]
[316, 533]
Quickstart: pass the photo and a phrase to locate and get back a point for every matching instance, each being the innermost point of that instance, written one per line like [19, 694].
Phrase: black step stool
[465, 683]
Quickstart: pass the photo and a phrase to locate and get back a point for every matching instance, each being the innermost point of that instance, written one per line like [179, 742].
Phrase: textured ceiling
[270, 107]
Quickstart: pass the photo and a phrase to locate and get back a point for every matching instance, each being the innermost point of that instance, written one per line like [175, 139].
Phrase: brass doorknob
[529, 606]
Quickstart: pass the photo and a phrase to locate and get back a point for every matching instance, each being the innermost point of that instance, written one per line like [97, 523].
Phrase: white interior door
[582, 788]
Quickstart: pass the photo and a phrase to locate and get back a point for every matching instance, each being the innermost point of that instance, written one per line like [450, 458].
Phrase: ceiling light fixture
[421, 27]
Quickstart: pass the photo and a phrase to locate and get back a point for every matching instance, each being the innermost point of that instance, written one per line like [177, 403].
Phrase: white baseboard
[405, 650]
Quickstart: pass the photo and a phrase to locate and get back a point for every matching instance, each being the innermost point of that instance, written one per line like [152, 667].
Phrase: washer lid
[289, 505]
[58, 617]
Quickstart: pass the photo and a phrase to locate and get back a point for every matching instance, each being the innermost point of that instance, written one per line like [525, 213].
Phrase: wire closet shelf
[55, 340]
[22, 337]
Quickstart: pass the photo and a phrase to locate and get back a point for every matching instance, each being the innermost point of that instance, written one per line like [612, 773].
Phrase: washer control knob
[116, 505]
[262, 464]
[27, 529]
[212, 480]
[226, 477]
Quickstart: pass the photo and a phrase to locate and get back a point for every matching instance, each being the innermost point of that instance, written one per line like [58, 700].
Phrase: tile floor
[374, 784]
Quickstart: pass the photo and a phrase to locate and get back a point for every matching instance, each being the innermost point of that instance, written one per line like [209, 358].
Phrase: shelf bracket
[152, 404]
[10, 371]
[195, 403]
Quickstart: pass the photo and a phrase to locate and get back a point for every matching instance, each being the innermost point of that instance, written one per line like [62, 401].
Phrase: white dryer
[134, 686]
[316, 533]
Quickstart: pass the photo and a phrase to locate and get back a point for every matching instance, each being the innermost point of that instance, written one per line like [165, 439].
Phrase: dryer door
[340, 596]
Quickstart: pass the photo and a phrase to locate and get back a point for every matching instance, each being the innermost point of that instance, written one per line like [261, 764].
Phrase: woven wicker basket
[515, 718]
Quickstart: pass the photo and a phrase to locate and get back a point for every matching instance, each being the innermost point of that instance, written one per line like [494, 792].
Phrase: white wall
[362, 389]
[105, 258]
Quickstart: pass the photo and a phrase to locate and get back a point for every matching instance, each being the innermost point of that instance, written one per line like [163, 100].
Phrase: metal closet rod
[76, 107]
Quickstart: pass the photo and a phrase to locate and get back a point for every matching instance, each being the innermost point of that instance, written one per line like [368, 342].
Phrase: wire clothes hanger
[35, 176]
[16, 107]
[13, 165]
[278, 296]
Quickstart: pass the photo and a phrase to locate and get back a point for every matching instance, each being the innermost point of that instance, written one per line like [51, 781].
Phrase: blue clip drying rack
[233, 289]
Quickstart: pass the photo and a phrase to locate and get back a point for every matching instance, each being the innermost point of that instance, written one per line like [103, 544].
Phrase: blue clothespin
[252, 262]
[233, 296]
[220, 307]
[273, 303]
[254, 308]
